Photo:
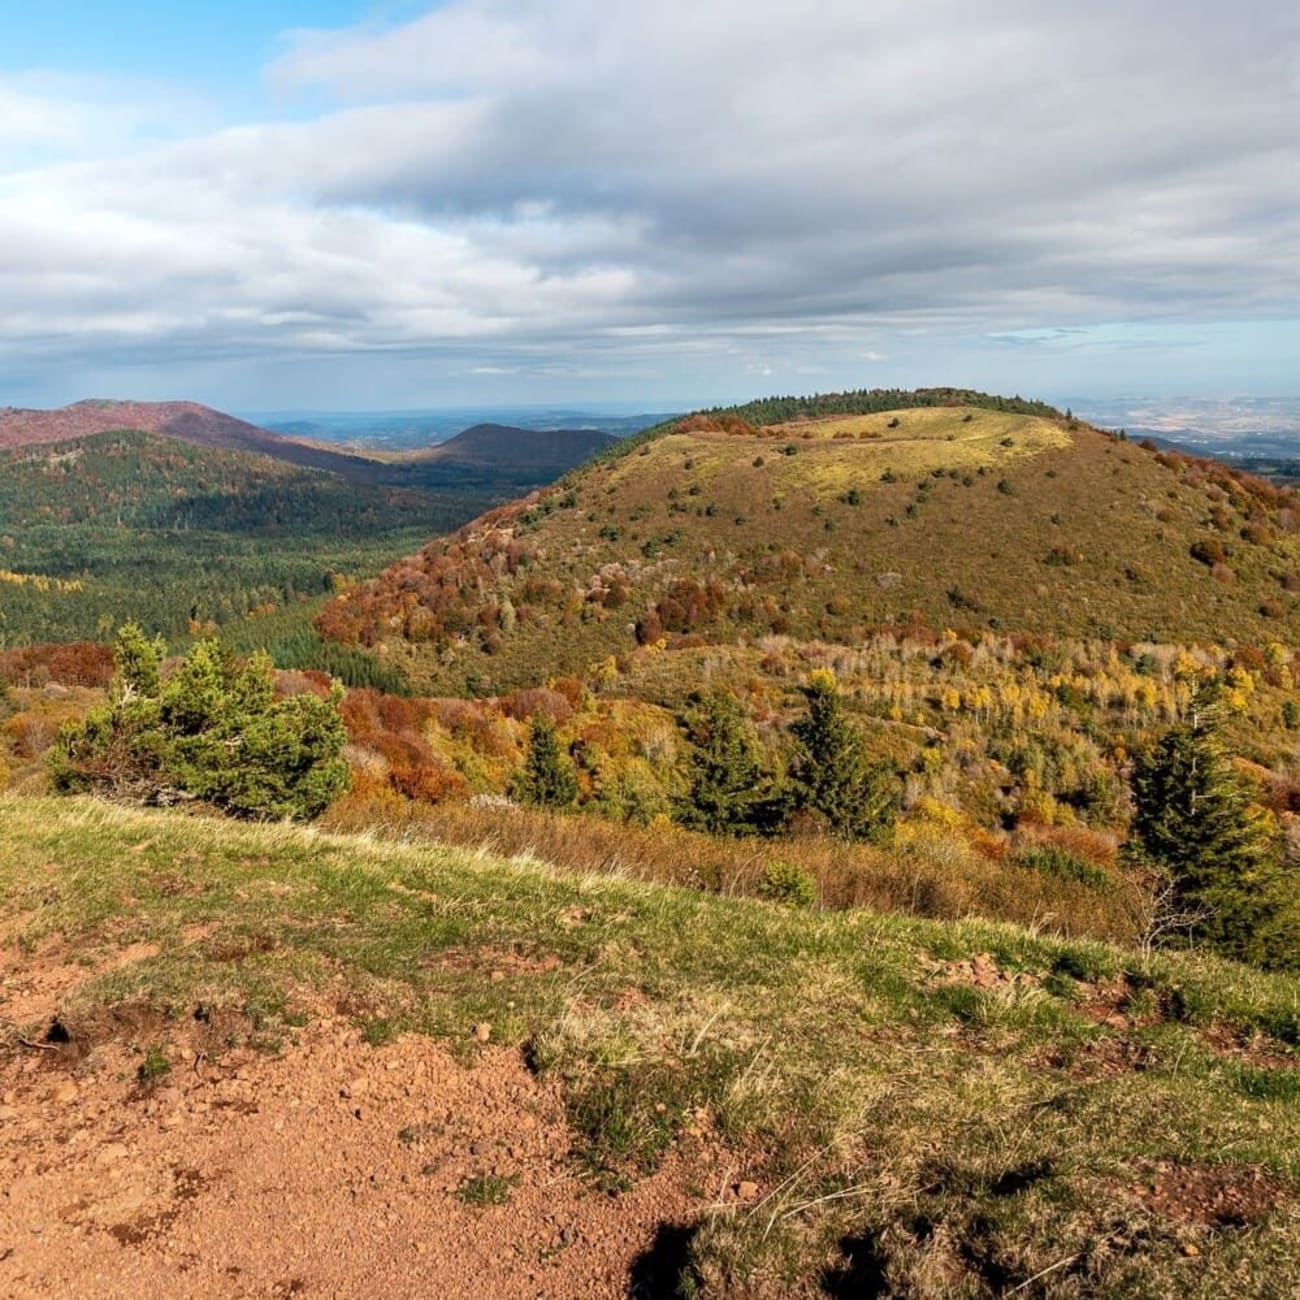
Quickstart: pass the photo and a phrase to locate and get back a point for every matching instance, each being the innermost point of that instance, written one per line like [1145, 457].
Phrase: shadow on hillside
[657, 1272]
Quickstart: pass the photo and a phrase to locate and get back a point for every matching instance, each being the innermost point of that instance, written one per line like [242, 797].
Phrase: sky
[350, 205]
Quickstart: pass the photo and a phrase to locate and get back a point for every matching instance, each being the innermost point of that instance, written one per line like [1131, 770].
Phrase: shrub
[1055, 860]
[783, 882]
[1209, 551]
[213, 730]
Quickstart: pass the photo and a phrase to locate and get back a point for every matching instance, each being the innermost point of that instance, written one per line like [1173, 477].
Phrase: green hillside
[826, 524]
[136, 525]
[847, 1104]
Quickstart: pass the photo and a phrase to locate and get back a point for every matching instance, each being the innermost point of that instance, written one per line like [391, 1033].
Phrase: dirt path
[336, 1169]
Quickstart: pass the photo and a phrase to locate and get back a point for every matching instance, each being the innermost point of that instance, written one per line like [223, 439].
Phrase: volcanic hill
[189, 422]
[821, 518]
[493, 452]
[505, 448]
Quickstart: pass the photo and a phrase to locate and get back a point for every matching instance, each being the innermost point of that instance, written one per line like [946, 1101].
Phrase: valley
[193, 521]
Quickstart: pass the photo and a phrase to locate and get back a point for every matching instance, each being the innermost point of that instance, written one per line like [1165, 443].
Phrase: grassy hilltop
[906, 1107]
[825, 525]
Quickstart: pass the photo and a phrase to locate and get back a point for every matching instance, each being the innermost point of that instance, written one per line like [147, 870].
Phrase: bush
[212, 730]
[1209, 551]
[783, 882]
[1054, 860]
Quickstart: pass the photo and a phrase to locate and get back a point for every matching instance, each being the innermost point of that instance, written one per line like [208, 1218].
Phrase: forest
[188, 539]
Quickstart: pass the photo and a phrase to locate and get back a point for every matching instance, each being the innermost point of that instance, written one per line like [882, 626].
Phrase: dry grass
[934, 873]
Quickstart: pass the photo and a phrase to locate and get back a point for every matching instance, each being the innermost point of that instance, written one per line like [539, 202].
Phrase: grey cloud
[525, 182]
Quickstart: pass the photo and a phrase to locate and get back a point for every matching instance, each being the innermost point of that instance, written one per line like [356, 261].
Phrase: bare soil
[1212, 1196]
[331, 1168]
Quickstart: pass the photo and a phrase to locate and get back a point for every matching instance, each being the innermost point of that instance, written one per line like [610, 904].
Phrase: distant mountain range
[512, 455]
[189, 422]
[391, 431]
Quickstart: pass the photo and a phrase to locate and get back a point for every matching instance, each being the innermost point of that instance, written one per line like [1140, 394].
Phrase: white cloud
[542, 183]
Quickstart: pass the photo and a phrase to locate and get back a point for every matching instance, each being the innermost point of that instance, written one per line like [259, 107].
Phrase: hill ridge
[188, 421]
[990, 515]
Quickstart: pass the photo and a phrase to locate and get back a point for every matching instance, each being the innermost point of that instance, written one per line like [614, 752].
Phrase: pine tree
[139, 661]
[213, 730]
[832, 774]
[1196, 821]
[723, 767]
[548, 779]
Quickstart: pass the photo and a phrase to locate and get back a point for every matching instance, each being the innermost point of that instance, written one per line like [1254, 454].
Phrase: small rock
[356, 1088]
[478, 1148]
[747, 1190]
[65, 1092]
[1191, 1249]
[483, 1031]
[497, 976]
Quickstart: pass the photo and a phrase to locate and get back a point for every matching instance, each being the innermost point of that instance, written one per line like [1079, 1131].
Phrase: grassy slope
[911, 1131]
[1025, 523]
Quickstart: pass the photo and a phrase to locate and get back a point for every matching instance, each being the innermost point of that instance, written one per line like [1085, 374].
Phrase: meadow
[920, 1108]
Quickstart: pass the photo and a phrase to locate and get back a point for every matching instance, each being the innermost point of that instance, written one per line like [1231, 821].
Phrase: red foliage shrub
[572, 689]
[77, 663]
[539, 700]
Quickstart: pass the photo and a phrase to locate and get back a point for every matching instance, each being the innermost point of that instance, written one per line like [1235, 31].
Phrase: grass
[935, 874]
[927, 1108]
[154, 1068]
[483, 1190]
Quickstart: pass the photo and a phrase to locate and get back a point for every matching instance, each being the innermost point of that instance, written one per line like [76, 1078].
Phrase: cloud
[545, 186]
